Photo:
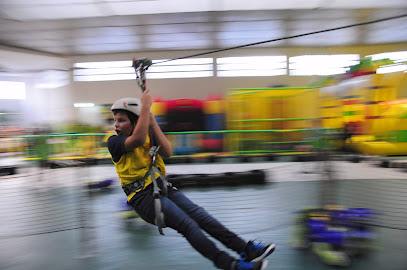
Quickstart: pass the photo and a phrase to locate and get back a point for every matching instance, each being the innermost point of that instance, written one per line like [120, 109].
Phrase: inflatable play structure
[272, 120]
[365, 111]
[191, 116]
[337, 235]
[246, 121]
[371, 109]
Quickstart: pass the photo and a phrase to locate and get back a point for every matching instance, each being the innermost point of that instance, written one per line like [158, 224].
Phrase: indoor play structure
[372, 110]
[368, 109]
[245, 122]
[272, 120]
[191, 116]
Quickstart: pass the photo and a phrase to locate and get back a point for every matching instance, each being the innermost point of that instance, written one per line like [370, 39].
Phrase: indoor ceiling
[82, 27]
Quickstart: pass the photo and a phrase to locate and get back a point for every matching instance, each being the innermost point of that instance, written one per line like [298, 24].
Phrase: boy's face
[122, 124]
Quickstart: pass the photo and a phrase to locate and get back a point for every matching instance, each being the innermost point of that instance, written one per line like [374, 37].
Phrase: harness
[133, 187]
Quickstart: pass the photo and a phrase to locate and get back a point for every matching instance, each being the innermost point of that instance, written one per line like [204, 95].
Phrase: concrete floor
[50, 221]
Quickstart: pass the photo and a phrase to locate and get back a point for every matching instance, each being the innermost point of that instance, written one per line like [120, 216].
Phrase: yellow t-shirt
[134, 165]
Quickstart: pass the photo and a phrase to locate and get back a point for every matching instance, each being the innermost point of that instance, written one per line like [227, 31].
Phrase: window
[104, 71]
[123, 70]
[251, 66]
[183, 68]
[399, 59]
[309, 65]
[12, 90]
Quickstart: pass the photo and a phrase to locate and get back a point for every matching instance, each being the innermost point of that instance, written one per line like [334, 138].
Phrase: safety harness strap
[130, 188]
[159, 215]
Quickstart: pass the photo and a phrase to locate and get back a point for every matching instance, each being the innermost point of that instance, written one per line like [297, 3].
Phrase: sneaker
[241, 264]
[257, 252]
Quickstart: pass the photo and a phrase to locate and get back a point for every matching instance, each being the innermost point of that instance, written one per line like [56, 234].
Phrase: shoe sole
[268, 251]
[264, 265]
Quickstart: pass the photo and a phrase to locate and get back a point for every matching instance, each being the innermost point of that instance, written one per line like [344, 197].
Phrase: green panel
[401, 135]
[267, 89]
[349, 113]
[274, 119]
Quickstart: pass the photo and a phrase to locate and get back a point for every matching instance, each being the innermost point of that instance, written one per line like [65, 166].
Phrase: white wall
[42, 105]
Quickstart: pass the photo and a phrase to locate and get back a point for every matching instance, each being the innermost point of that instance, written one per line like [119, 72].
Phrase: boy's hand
[146, 99]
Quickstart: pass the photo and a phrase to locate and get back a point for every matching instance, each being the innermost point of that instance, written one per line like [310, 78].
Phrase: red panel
[192, 104]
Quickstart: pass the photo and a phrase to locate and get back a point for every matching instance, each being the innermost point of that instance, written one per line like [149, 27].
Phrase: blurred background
[307, 99]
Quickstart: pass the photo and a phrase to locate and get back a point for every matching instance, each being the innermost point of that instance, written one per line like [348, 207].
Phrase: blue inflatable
[100, 184]
[335, 234]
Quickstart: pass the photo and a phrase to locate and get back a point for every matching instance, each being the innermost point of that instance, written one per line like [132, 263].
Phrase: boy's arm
[165, 146]
[140, 131]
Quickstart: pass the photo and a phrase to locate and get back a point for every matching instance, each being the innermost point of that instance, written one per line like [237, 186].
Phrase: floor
[50, 220]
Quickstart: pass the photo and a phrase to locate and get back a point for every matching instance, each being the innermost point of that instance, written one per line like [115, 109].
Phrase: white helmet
[129, 104]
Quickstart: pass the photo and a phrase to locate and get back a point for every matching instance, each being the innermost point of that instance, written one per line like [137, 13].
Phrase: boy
[142, 173]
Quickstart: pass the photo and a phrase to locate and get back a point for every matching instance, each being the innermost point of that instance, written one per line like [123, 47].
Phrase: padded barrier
[7, 170]
[253, 177]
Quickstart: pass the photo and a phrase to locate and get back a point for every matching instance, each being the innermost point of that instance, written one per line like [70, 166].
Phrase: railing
[85, 145]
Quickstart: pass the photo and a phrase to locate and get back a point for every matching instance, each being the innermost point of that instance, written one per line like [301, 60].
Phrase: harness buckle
[153, 152]
[130, 188]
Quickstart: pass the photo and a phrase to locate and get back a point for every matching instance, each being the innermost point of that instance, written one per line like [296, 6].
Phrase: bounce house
[371, 109]
[271, 120]
[246, 122]
[214, 113]
[185, 115]
[185, 119]
[387, 122]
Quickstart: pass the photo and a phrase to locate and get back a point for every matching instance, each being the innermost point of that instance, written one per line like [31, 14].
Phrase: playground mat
[56, 224]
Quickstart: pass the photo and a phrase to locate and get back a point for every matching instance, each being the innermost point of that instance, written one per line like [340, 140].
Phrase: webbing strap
[159, 215]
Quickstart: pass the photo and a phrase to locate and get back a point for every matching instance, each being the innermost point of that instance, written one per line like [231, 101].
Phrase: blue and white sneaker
[257, 252]
[241, 264]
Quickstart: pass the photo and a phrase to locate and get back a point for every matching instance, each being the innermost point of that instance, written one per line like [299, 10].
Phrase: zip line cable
[284, 38]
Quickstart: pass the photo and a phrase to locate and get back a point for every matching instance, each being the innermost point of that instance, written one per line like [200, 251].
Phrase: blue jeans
[189, 219]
